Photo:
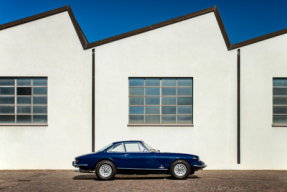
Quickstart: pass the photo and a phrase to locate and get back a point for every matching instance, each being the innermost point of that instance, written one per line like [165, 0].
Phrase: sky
[100, 19]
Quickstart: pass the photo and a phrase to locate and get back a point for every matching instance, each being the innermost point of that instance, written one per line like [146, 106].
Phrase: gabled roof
[87, 45]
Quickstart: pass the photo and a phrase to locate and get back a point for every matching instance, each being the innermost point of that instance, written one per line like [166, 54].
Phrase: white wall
[48, 47]
[191, 48]
[263, 146]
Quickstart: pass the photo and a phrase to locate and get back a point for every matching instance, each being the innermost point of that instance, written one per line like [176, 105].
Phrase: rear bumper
[78, 165]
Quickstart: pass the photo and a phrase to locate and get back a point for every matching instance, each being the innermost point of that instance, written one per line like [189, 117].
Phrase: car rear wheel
[106, 170]
[180, 169]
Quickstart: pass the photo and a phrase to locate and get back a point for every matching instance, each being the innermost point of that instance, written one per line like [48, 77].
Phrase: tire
[106, 170]
[180, 169]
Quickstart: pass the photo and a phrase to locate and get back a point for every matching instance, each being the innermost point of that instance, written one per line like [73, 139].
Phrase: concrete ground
[207, 180]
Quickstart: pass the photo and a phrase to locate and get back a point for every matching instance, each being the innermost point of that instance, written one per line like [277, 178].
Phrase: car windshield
[103, 148]
[147, 146]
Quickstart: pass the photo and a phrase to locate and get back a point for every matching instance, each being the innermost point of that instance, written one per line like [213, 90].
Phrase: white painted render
[191, 48]
[263, 146]
[48, 47]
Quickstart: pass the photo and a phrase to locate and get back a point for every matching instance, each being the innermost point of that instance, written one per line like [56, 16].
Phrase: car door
[137, 157]
[117, 153]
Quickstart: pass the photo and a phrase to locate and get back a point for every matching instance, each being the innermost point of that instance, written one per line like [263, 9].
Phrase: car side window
[116, 149]
[142, 149]
[132, 147]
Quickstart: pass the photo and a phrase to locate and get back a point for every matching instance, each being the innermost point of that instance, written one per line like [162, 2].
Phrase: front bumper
[78, 165]
[199, 166]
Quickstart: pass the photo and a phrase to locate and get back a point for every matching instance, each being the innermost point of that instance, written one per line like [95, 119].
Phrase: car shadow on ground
[131, 177]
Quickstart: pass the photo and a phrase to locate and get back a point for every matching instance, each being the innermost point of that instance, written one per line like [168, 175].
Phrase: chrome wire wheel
[105, 170]
[180, 169]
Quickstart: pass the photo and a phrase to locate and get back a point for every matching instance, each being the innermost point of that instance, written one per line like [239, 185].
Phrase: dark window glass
[184, 100]
[136, 82]
[7, 109]
[279, 91]
[23, 109]
[279, 82]
[184, 119]
[39, 81]
[23, 90]
[7, 100]
[152, 91]
[136, 91]
[7, 90]
[136, 100]
[168, 119]
[152, 100]
[39, 109]
[168, 91]
[24, 118]
[39, 90]
[136, 119]
[7, 118]
[7, 81]
[23, 100]
[169, 100]
[152, 119]
[136, 110]
[168, 82]
[39, 118]
[152, 82]
[280, 119]
[152, 110]
[39, 100]
[184, 82]
[168, 110]
[23, 81]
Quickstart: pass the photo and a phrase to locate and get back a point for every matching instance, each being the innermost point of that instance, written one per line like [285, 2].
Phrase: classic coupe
[137, 157]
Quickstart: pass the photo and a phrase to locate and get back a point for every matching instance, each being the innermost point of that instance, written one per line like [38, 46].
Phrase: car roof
[128, 141]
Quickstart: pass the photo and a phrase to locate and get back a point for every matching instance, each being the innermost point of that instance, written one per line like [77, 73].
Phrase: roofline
[87, 45]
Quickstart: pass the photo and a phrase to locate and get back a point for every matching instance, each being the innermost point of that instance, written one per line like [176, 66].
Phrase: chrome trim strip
[78, 165]
[142, 169]
[201, 166]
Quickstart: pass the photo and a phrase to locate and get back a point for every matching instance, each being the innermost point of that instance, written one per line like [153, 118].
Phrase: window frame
[277, 125]
[114, 146]
[160, 104]
[139, 143]
[15, 86]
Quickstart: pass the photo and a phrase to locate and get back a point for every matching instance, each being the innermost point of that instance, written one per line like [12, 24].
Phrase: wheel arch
[99, 160]
[176, 159]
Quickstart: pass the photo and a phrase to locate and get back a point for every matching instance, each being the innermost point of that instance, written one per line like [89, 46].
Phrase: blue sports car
[137, 157]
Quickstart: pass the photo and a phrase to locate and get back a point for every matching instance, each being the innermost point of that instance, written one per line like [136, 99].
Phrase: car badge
[161, 167]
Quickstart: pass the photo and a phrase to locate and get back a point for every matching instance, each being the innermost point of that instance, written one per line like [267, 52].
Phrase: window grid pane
[168, 102]
[279, 101]
[20, 97]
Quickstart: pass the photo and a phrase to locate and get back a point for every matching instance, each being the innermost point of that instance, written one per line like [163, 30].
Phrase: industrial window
[23, 100]
[160, 101]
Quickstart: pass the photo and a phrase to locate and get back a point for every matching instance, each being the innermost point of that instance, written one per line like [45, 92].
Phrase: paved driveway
[55, 180]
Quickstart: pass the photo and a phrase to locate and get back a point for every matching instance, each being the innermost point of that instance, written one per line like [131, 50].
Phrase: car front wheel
[180, 169]
[106, 170]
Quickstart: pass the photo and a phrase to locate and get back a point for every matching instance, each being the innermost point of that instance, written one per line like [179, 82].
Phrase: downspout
[93, 100]
[238, 106]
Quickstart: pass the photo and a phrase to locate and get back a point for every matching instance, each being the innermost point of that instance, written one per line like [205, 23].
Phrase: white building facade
[178, 85]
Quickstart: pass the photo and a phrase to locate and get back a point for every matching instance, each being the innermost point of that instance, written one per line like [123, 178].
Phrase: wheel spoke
[180, 169]
[105, 170]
